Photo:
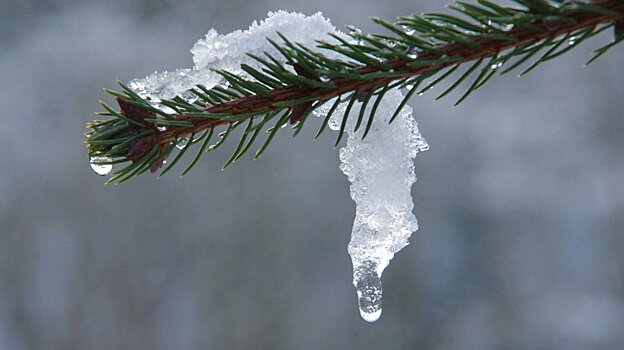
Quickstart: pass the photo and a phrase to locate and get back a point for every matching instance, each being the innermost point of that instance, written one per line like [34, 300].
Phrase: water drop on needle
[408, 30]
[98, 166]
[505, 27]
[182, 142]
[160, 128]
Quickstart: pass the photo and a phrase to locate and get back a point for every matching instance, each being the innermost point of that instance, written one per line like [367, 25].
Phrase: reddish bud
[141, 147]
[157, 166]
[302, 71]
[133, 111]
[361, 95]
[552, 24]
[298, 111]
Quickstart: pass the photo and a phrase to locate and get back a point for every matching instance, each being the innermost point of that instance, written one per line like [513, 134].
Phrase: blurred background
[520, 202]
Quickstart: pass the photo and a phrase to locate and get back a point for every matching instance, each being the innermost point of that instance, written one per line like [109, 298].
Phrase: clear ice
[380, 167]
[367, 283]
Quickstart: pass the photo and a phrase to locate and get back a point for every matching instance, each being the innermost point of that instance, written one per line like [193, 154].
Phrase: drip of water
[98, 166]
[505, 27]
[496, 65]
[408, 30]
[182, 142]
[367, 282]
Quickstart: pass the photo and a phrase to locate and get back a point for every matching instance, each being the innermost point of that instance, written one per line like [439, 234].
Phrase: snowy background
[520, 203]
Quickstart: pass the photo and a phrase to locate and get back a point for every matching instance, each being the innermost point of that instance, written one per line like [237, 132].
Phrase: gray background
[520, 202]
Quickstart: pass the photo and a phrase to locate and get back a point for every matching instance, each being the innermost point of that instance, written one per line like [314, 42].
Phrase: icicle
[381, 171]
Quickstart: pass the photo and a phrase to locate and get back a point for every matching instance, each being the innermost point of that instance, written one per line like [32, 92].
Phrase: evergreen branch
[367, 66]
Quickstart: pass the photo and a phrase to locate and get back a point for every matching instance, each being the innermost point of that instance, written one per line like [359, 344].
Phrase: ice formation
[381, 171]
[380, 167]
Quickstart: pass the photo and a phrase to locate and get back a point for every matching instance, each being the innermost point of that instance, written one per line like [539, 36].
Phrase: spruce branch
[493, 38]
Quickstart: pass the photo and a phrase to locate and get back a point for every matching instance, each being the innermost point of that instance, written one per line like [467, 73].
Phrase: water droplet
[100, 168]
[182, 142]
[324, 78]
[501, 26]
[369, 291]
[496, 65]
[160, 128]
[408, 30]
[392, 43]
[412, 54]
[572, 40]
[420, 93]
